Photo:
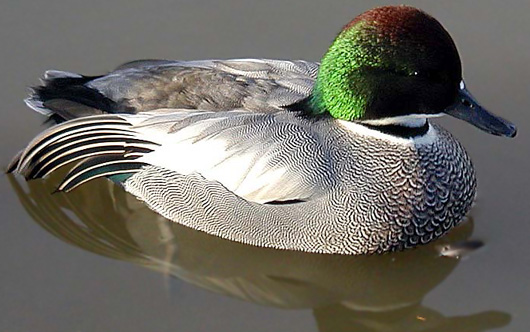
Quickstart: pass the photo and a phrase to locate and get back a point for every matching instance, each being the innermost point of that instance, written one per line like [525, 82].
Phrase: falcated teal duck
[332, 158]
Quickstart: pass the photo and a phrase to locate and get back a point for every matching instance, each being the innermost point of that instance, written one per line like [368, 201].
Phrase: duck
[336, 157]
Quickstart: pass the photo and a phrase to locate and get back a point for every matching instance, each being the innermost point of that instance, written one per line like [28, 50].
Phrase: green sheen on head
[389, 61]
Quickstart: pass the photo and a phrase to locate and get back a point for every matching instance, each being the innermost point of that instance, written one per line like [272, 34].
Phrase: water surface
[67, 258]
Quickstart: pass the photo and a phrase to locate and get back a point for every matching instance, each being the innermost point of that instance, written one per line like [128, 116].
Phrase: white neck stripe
[430, 136]
[410, 120]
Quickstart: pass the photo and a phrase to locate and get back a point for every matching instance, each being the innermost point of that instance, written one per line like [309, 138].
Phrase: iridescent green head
[388, 62]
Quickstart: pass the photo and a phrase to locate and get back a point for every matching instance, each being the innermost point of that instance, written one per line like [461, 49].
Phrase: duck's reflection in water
[346, 293]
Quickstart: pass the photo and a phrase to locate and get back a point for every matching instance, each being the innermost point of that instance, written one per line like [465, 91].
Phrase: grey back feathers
[256, 85]
[213, 85]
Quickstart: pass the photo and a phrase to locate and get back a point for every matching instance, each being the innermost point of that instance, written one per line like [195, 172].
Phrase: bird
[336, 157]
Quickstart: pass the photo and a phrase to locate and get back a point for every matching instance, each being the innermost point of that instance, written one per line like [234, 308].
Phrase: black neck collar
[401, 131]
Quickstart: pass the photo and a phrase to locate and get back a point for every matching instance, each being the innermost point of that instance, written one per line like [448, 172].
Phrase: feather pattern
[346, 190]
[411, 195]
[208, 144]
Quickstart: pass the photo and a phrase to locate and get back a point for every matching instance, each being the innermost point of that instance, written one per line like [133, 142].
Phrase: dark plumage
[210, 85]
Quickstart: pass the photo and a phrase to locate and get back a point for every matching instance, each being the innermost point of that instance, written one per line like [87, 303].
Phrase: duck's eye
[432, 76]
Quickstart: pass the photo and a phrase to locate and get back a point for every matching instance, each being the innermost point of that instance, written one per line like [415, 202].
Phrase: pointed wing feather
[83, 139]
[261, 157]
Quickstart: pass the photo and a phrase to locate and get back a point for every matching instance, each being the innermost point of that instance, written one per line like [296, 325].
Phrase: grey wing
[217, 85]
[261, 157]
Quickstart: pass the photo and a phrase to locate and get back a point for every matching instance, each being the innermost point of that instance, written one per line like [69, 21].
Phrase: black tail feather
[66, 96]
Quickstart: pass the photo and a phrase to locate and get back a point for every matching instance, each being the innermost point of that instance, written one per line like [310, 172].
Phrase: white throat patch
[428, 138]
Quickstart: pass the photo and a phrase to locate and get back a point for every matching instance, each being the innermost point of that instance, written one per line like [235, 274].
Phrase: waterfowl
[336, 157]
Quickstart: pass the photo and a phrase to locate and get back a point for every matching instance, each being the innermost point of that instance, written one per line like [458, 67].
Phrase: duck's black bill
[468, 109]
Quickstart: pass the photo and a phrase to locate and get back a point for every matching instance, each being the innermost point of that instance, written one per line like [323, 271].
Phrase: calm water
[66, 259]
